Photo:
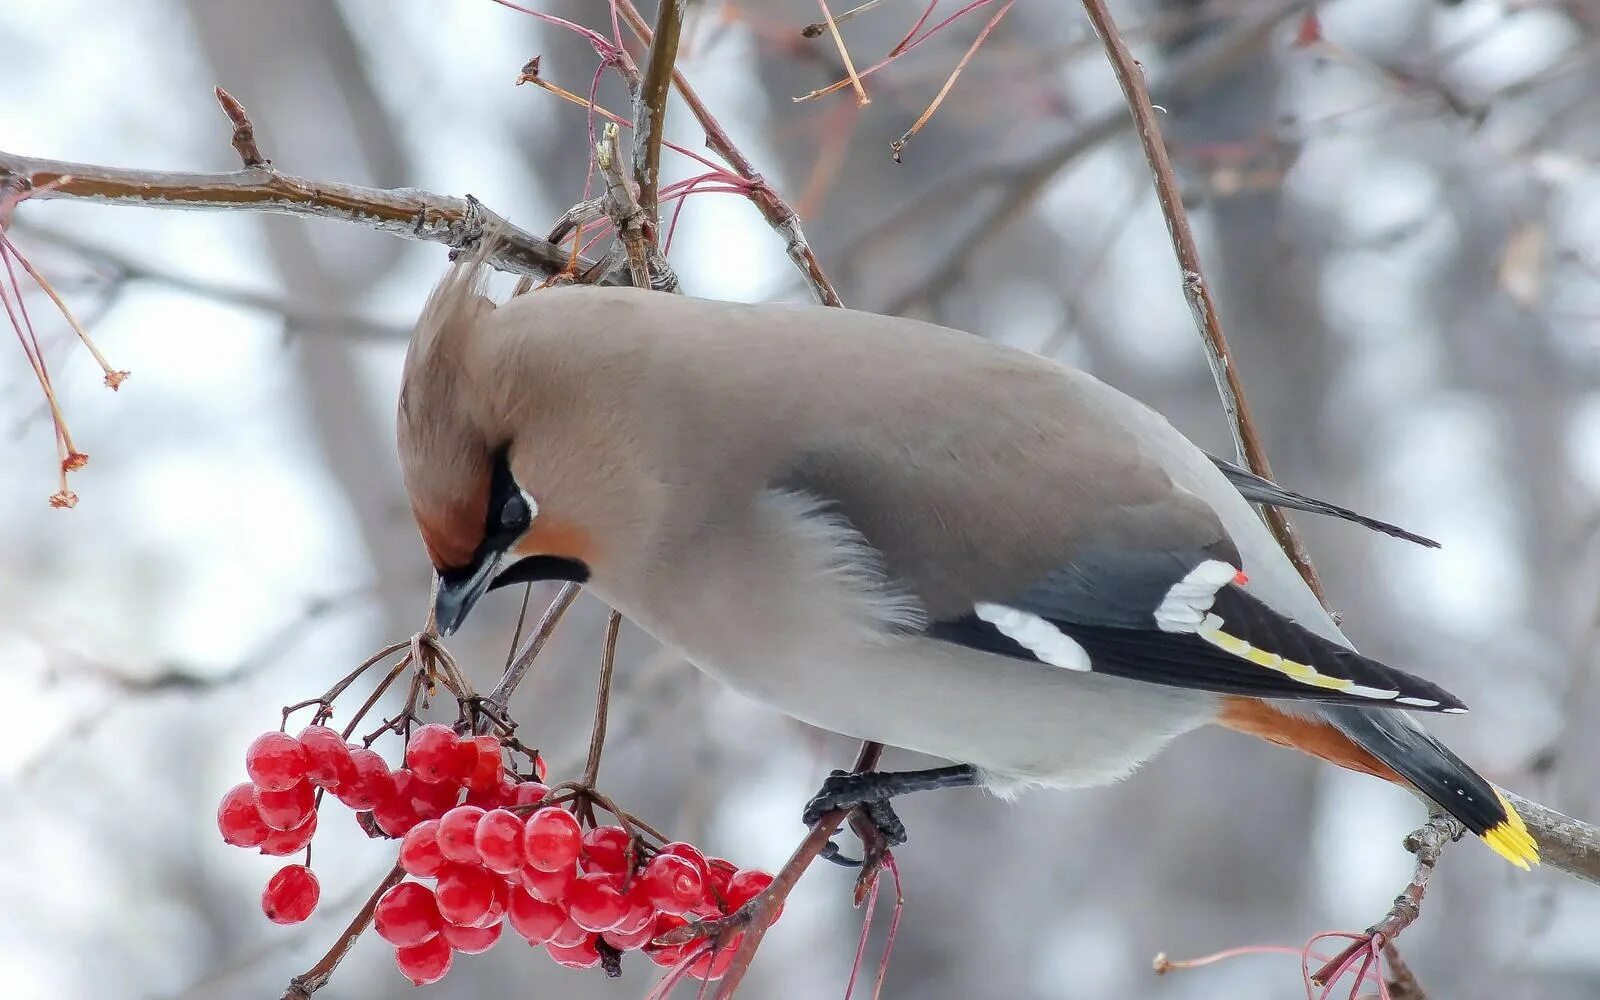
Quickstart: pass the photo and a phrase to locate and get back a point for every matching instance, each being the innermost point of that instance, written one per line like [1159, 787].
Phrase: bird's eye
[515, 514]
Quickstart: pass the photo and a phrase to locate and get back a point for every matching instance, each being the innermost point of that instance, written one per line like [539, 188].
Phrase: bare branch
[1130, 75]
[622, 205]
[602, 700]
[765, 906]
[405, 212]
[650, 105]
[315, 978]
[1565, 844]
[772, 207]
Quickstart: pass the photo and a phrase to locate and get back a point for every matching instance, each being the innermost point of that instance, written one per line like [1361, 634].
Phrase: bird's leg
[870, 792]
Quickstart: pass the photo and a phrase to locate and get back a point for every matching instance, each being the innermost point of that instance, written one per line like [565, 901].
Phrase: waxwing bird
[893, 531]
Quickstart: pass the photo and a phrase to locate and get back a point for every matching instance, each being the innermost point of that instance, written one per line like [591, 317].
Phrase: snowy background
[1403, 224]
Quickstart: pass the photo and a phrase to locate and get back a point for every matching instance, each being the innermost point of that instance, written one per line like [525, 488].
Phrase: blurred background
[1401, 219]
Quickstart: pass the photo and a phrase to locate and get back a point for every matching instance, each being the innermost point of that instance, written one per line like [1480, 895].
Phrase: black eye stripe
[509, 513]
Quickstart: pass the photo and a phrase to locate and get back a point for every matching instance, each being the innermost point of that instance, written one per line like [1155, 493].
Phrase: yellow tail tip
[1510, 838]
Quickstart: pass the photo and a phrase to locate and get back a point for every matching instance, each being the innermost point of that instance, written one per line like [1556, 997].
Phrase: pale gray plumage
[791, 495]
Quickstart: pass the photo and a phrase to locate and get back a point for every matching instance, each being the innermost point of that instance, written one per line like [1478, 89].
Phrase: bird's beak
[459, 591]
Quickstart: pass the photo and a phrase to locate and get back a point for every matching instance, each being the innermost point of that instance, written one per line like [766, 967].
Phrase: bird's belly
[1021, 723]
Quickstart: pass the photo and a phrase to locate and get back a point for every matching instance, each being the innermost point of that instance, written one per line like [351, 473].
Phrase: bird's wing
[1257, 489]
[1181, 621]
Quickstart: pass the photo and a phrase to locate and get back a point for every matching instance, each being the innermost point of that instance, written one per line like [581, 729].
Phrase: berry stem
[372, 699]
[602, 701]
[501, 695]
[328, 697]
[315, 978]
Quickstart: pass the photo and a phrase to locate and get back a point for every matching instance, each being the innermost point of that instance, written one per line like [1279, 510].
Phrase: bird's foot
[866, 795]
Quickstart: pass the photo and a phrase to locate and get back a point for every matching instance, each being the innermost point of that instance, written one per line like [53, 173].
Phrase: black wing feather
[1184, 659]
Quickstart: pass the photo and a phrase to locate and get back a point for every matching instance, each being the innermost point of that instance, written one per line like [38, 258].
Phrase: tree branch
[405, 212]
[767, 201]
[315, 978]
[650, 106]
[1130, 76]
[1566, 844]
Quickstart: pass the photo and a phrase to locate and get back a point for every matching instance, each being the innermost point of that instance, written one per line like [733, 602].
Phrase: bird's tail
[1400, 743]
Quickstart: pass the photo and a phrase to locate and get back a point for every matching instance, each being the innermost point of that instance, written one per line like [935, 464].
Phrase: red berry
[539, 770]
[290, 895]
[621, 941]
[280, 843]
[583, 955]
[426, 963]
[288, 808]
[487, 766]
[472, 940]
[499, 840]
[496, 796]
[746, 884]
[689, 853]
[457, 830]
[569, 934]
[640, 913]
[275, 761]
[469, 895]
[528, 793]
[394, 813]
[714, 964]
[431, 800]
[605, 849]
[239, 819]
[534, 919]
[327, 758]
[668, 956]
[551, 840]
[436, 753]
[594, 903]
[407, 915]
[419, 851]
[719, 872]
[672, 883]
[371, 780]
[551, 886]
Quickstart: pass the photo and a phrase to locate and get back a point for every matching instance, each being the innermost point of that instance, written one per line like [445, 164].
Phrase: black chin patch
[536, 568]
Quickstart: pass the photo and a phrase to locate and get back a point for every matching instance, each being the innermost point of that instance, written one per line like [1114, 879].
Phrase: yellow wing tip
[1510, 838]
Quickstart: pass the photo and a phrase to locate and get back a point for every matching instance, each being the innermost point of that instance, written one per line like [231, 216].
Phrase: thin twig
[1427, 842]
[760, 911]
[405, 212]
[602, 700]
[315, 978]
[816, 29]
[622, 206]
[244, 131]
[771, 206]
[650, 106]
[1020, 185]
[1130, 76]
[844, 53]
[950, 81]
[498, 698]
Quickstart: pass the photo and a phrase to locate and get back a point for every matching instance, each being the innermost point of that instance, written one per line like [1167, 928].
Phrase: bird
[894, 531]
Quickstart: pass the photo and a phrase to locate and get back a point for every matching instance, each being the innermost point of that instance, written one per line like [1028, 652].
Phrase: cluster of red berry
[498, 857]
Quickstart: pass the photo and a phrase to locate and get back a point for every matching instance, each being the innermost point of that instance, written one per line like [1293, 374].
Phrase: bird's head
[499, 490]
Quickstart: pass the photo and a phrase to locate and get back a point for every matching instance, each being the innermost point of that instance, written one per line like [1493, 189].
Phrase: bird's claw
[873, 819]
